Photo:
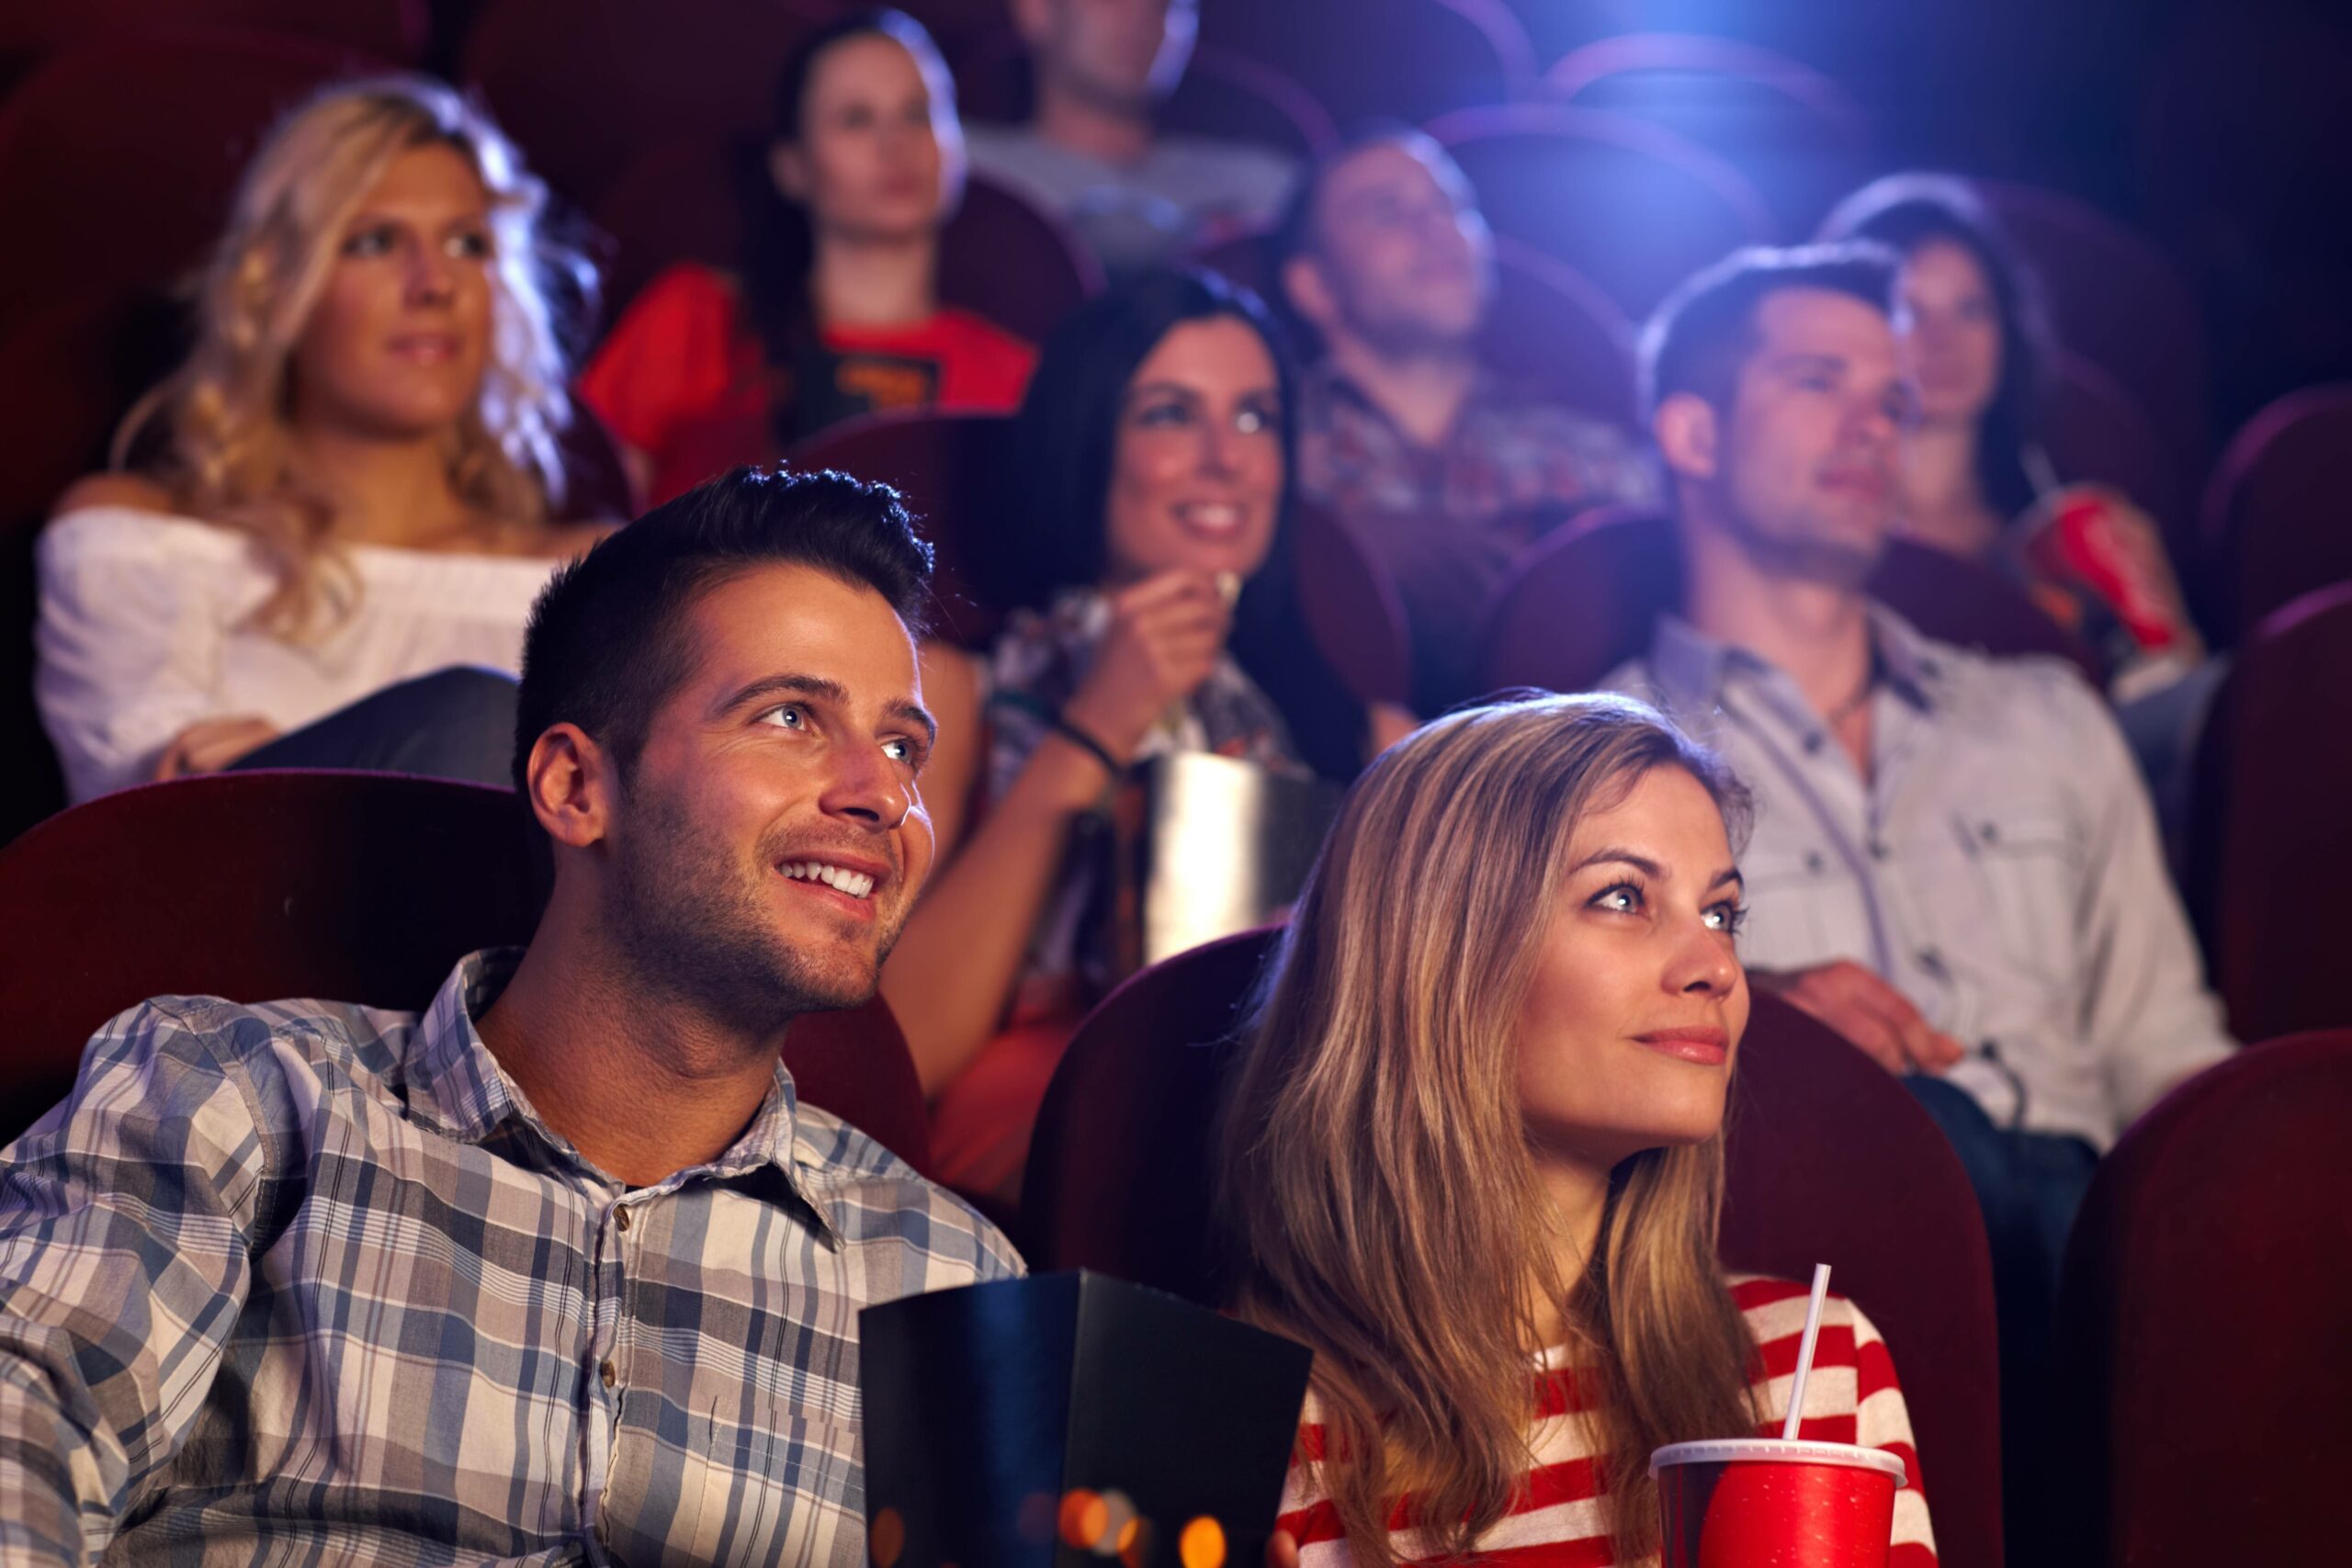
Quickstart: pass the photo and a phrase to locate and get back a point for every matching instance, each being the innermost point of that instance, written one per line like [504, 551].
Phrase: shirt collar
[463, 1090]
[1689, 667]
[1325, 380]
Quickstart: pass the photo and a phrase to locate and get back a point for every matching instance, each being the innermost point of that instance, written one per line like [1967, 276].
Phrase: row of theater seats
[2209, 1279]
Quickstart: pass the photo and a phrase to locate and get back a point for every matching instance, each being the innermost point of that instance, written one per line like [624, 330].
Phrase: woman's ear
[788, 167]
[1688, 430]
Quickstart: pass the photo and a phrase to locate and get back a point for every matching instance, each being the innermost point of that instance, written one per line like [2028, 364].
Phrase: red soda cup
[2077, 536]
[1768, 1503]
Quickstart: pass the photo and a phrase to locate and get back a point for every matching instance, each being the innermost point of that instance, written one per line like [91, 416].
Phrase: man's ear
[788, 167]
[1309, 292]
[1688, 430]
[572, 785]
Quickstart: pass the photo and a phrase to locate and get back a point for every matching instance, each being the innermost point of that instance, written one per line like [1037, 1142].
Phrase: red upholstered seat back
[2206, 1318]
[951, 468]
[1583, 600]
[361, 887]
[2271, 836]
[161, 123]
[1830, 1161]
[1352, 611]
[2274, 513]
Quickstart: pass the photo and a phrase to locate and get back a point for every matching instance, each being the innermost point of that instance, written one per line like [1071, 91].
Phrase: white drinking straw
[1804, 1352]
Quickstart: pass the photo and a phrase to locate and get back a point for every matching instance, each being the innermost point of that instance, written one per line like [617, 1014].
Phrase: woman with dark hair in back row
[1975, 480]
[1152, 560]
[836, 312]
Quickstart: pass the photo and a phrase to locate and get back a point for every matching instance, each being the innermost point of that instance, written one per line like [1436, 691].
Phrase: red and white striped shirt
[1558, 1522]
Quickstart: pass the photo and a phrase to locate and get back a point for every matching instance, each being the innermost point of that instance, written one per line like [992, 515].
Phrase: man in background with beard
[1954, 861]
[561, 1266]
[1443, 470]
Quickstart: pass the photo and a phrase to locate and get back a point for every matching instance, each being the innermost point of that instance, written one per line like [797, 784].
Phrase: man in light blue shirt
[1090, 153]
[1955, 863]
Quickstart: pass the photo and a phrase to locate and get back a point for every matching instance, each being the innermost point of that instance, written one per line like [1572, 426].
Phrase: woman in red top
[837, 311]
[1472, 1155]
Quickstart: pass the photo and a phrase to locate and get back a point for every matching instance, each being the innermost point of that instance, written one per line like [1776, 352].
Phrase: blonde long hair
[1375, 1182]
[221, 420]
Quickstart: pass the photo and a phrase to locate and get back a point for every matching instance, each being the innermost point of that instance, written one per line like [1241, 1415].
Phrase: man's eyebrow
[920, 716]
[770, 687]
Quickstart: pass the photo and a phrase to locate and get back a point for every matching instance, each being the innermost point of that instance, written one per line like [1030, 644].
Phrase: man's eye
[900, 749]
[789, 717]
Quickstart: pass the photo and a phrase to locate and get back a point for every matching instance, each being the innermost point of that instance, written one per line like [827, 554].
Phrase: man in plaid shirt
[560, 1271]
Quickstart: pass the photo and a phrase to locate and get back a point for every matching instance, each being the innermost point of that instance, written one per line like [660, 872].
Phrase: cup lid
[1776, 1451]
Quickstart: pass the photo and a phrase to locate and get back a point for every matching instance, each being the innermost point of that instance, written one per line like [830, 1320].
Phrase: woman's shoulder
[1775, 1309]
[115, 491]
[121, 519]
[689, 287]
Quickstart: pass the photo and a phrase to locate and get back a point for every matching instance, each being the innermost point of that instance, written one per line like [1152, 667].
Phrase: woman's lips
[1706, 1047]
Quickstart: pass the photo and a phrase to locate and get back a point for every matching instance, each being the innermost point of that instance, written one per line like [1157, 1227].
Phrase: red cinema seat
[2117, 299]
[123, 155]
[1354, 615]
[1366, 59]
[1630, 205]
[2270, 839]
[1830, 1160]
[2203, 1318]
[361, 887]
[2095, 432]
[2275, 512]
[1577, 604]
[393, 30]
[950, 468]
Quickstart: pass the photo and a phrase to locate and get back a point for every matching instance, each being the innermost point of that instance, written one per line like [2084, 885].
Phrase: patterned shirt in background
[1999, 865]
[1038, 665]
[1558, 1520]
[1445, 522]
[312, 1281]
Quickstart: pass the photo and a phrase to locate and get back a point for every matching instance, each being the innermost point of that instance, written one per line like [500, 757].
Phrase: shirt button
[1878, 848]
[621, 1218]
[610, 1373]
[1813, 861]
[1813, 744]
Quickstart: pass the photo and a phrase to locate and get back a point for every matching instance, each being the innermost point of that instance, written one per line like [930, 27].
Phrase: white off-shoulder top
[144, 630]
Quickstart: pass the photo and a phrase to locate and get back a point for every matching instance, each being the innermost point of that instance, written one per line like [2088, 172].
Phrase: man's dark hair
[1697, 340]
[608, 639]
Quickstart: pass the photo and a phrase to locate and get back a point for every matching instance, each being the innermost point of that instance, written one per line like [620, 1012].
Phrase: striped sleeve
[1851, 1396]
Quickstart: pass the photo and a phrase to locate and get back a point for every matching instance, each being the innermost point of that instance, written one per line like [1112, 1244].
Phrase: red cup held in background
[2077, 536]
[1767, 1503]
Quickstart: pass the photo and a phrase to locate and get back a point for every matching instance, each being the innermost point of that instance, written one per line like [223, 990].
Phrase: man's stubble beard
[694, 922]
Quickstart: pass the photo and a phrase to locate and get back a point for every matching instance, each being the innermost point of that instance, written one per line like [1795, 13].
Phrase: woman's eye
[1156, 416]
[375, 242]
[858, 118]
[1253, 421]
[1728, 917]
[1624, 898]
[472, 245]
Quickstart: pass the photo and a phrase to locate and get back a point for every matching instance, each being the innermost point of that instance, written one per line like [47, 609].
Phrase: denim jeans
[453, 724]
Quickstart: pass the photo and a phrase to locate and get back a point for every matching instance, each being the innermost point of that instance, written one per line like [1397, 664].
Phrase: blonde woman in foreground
[352, 484]
[1472, 1154]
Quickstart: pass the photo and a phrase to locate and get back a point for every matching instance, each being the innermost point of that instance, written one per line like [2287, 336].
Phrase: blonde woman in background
[321, 536]
[1472, 1155]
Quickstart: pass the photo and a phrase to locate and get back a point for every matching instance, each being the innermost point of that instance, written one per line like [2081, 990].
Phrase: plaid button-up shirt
[307, 1281]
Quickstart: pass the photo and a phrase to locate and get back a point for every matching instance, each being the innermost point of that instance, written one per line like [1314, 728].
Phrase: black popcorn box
[1072, 1420]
